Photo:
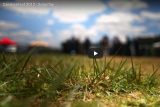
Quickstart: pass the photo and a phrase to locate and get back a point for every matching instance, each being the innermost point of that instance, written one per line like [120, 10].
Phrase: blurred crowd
[140, 46]
[144, 46]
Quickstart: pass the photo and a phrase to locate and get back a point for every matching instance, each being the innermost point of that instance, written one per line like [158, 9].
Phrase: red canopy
[7, 41]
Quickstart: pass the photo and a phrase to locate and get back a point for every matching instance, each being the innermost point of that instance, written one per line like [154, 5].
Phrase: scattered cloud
[49, 37]
[118, 17]
[22, 33]
[151, 15]
[44, 34]
[78, 31]
[5, 25]
[82, 32]
[120, 24]
[50, 22]
[21, 36]
[73, 12]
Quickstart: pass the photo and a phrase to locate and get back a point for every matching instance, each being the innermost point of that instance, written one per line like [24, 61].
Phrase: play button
[95, 53]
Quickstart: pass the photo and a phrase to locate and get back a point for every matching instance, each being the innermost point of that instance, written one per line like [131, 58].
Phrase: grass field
[58, 80]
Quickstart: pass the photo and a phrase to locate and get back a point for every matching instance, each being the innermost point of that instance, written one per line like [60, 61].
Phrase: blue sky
[93, 20]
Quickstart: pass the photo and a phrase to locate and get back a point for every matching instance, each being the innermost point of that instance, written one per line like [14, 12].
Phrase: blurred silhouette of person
[104, 44]
[74, 46]
[86, 45]
[116, 46]
[128, 46]
[136, 46]
[71, 46]
[65, 46]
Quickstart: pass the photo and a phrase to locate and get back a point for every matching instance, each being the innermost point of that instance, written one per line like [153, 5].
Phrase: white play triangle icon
[95, 53]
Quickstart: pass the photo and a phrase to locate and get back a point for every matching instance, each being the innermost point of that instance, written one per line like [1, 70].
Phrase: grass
[77, 81]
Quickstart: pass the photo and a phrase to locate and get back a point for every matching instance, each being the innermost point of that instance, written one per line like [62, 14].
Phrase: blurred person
[71, 46]
[86, 45]
[116, 46]
[104, 44]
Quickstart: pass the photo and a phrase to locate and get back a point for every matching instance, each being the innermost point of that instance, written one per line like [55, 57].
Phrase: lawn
[59, 80]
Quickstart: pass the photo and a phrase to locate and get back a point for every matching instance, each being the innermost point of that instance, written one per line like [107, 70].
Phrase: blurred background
[121, 27]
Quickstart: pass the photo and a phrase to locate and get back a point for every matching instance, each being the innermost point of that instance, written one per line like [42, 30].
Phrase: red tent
[7, 41]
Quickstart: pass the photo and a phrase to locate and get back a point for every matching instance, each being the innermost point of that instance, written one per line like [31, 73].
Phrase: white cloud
[126, 4]
[65, 34]
[21, 36]
[4, 25]
[119, 24]
[112, 24]
[22, 33]
[78, 31]
[118, 17]
[151, 15]
[81, 31]
[49, 37]
[115, 24]
[73, 12]
[44, 34]
[50, 22]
